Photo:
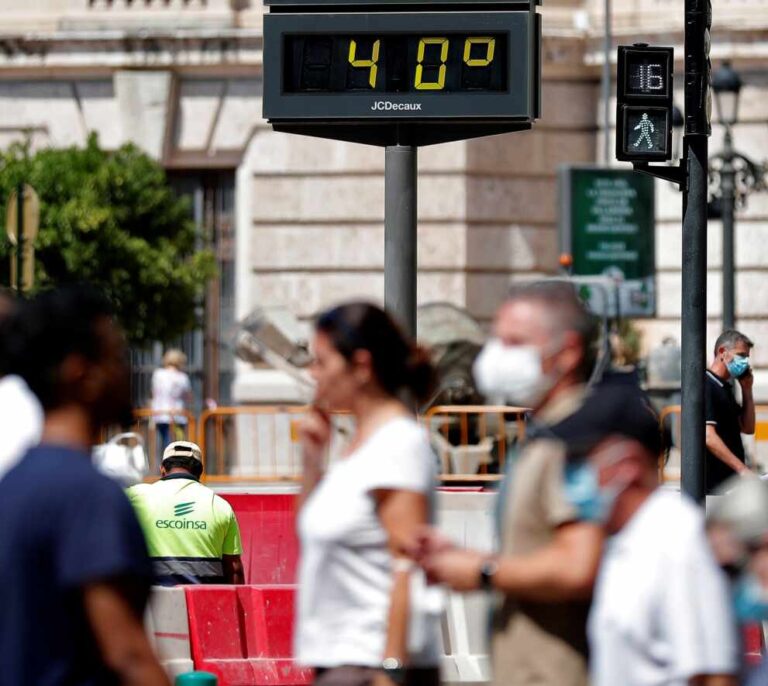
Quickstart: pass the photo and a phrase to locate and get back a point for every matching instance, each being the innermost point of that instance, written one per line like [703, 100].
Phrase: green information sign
[607, 224]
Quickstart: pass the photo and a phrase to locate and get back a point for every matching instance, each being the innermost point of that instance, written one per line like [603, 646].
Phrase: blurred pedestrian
[191, 532]
[661, 613]
[726, 419]
[541, 357]
[74, 571]
[171, 390]
[21, 417]
[737, 525]
[362, 618]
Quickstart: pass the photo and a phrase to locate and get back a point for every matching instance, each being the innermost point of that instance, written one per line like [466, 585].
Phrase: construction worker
[192, 533]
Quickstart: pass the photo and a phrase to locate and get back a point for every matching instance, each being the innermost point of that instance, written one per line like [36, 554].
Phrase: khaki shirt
[535, 643]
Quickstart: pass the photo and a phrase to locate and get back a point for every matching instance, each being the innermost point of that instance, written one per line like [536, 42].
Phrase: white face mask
[512, 373]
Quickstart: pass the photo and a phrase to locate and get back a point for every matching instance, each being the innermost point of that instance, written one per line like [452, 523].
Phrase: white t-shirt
[21, 421]
[345, 573]
[169, 387]
[661, 612]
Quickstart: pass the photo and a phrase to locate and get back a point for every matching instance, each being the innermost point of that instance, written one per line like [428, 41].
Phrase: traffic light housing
[644, 103]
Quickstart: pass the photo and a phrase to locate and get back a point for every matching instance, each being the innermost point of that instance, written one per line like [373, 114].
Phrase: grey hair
[729, 338]
[566, 313]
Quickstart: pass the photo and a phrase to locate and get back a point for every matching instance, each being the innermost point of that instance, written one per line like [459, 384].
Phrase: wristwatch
[487, 571]
[394, 669]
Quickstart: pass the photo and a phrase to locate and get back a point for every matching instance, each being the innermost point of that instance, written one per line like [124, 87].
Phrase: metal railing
[669, 426]
[472, 441]
[261, 443]
[145, 426]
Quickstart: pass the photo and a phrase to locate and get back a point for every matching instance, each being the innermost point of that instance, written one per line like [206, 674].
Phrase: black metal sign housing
[401, 73]
[644, 103]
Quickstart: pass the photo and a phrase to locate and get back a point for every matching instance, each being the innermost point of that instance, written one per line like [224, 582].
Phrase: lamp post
[732, 177]
[726, 85]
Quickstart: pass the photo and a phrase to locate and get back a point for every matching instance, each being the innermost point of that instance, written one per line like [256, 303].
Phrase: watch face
[390, 663]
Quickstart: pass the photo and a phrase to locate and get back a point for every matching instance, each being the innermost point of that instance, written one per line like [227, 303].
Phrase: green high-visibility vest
[188, 529]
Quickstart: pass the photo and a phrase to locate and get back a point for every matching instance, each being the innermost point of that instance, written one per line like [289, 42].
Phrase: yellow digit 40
[372, 63]
[419, 83]
[490, 47]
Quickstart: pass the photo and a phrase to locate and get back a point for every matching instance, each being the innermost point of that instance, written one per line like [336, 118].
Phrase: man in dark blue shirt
[74, 572]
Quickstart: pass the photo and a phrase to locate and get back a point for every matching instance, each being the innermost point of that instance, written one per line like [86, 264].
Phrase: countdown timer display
[647, 73]
[351, 70]
[396, 64]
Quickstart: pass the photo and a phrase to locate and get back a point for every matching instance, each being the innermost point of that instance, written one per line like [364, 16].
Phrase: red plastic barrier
[267, 527]
[243, 634]
[752, 637]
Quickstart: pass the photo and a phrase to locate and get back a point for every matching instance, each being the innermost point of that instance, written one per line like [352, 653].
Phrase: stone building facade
[183, 79]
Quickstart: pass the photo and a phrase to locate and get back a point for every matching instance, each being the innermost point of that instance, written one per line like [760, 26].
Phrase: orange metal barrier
[761, 436]
[673, 412]
[223, 429]
[257, 442]
[146, 428]
[260, 443]
[472, 440]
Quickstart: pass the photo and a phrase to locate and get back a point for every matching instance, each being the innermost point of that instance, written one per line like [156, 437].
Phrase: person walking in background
[541, 357]
[21, 417]
[737, 526]
[191, 532]
[74, 571]
[661, 613]
[362, 618]
[726, 420]
[171, 390]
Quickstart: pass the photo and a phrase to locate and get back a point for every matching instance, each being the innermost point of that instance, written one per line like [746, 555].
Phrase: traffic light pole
[698, 20]
[694, 318]
[691, 175]
[400, 178]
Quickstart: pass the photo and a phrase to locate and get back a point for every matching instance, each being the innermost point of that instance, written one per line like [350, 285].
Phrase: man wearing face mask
[661, 613]
[726, 419]
[541, 357]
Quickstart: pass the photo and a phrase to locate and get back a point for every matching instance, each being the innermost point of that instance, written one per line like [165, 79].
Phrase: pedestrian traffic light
[644, 103]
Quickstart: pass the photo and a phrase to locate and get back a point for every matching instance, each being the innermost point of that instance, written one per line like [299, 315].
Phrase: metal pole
[606, 84]
[400, 234]
[728, 199]
[19, 238]
[694, 318]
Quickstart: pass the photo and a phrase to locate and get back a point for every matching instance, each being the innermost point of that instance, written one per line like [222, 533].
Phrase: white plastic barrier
[167, 625]
[468, 519]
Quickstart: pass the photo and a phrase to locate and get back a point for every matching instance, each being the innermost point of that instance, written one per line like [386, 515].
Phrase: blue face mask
[583, 492]
[750, 601]
[738, 366]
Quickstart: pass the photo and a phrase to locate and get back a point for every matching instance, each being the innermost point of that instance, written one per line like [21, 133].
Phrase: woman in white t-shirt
[171, 390]
[365, 615]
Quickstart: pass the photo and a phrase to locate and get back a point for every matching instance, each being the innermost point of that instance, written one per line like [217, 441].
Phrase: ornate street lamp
[732, 176]
[726, 84]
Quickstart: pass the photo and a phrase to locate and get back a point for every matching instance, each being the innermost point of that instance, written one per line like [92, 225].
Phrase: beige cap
[183, 449]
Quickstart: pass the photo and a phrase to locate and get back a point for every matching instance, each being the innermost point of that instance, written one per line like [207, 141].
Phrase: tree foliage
[111, 219]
